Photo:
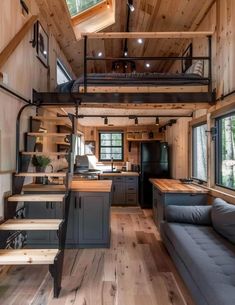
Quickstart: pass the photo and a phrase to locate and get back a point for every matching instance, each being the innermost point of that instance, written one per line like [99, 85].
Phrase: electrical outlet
[5, 78]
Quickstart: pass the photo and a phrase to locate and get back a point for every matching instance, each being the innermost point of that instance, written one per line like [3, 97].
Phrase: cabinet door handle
[75, 203]
[80, 203]
[47, 205]
[114, 188]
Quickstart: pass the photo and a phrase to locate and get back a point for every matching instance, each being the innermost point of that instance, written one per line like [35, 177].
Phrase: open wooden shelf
[46, 153]
[41, 174]
[48, 134]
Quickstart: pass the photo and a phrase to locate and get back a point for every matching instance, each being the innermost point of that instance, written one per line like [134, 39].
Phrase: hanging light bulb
[136, 121]
[130, 5]
[105, 121]
[157, 121]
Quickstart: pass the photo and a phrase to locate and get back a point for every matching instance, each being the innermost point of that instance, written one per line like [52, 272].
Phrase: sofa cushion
[209, 259]
[223, 219]
[200, 215]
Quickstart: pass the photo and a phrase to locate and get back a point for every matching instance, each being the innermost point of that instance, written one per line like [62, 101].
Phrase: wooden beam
[15, 41]
[150, 35]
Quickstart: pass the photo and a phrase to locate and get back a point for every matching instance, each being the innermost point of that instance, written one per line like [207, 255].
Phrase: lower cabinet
[94, 220]
[88, 221]
[124, 189]
[162, 200]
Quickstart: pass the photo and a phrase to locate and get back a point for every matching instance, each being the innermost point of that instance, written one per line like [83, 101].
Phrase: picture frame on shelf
[187, 61]
[89, 147]
[42, 43]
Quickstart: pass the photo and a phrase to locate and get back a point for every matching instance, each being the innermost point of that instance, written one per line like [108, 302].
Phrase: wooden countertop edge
[93, 186]
[123, 174]
[198, 189]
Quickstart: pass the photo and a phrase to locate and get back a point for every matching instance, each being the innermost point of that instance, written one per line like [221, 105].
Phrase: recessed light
[100, 54]
[140, 40]
[147, 65]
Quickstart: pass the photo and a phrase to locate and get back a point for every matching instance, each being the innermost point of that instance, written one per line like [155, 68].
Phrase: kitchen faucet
[112, 168]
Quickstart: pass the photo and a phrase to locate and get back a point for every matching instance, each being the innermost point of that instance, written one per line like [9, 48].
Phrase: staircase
[12, 224]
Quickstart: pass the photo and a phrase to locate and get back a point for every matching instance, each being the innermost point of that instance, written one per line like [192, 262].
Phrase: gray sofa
[201, 242]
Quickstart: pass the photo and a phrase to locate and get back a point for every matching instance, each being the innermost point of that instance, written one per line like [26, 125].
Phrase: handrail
[16, 94]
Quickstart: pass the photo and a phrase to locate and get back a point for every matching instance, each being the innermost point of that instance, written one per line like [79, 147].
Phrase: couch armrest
[200, 215]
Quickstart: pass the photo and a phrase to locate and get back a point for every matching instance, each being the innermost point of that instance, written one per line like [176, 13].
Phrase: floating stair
[28, 256]
[28, 174]
[46, 153]
[36, 198]
[31, 224]
[62, 143]
[48, 134]
[50, 119]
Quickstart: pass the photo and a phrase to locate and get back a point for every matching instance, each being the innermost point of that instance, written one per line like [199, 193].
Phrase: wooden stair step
[33, 187]
[41, 174]
[50, 119]
[37, 198]
[46, 153]
[48, 134]
[62, 143]
[28, 256]
[31, 224]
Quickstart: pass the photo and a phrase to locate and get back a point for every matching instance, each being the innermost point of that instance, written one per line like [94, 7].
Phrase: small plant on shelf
[41, 162]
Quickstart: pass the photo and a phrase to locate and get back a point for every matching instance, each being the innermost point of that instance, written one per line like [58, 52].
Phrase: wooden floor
[136, 270]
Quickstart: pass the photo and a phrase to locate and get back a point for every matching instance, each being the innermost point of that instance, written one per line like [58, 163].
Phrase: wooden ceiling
[149, 16]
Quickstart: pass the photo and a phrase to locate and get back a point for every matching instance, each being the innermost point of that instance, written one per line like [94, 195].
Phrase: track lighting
[136, 121]
[157, 121]
[105, 121]
[130, 5]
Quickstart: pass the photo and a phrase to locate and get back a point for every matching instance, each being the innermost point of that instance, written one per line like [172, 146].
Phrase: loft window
[225, 151]
[78, 6]
[111, 146]
[62, 75]
[199, 149]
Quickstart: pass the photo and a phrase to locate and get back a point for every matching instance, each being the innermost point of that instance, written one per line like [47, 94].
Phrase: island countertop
[175, 186]
[101, 186]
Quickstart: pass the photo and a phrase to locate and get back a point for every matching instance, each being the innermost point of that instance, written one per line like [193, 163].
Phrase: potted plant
[41, 162]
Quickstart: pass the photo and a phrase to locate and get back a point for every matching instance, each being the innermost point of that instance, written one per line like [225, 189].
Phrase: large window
[62, 76]
[225, 151]
[110, 146]
[78, 6]
[199, 166]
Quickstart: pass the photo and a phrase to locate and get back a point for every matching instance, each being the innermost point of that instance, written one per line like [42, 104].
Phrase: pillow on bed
[196, 68]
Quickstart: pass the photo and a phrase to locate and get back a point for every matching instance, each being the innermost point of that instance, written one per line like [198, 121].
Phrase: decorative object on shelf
[89, 147]
[187, 62]
[41, 41]
[41, 162]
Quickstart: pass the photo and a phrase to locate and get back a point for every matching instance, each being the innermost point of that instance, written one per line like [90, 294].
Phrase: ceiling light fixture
[100, 54]
[108, 4]
[106, 121]
[130, 5]
[157, 121]
[136, 121]
[140, 40]
[125, 53]
[147, 65]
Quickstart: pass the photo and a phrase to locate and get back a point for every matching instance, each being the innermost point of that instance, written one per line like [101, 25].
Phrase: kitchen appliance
[128, 166]
[154, 164]
[84, 168]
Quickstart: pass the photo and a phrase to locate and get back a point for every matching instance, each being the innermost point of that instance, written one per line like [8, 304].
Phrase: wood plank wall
[24, 72]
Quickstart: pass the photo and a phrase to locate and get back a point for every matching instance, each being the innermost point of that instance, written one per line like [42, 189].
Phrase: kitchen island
[89, 214]
[173, 192]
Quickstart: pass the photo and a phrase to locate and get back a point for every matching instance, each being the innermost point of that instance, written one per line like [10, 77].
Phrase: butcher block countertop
[175, 186]
[120, 174]
[101, 186]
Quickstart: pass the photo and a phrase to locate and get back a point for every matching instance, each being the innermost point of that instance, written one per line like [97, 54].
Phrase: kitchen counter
[99, 186]
[122, 174]
[175, 186]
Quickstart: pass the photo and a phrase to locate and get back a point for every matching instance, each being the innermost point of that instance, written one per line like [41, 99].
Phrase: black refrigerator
[154, 163]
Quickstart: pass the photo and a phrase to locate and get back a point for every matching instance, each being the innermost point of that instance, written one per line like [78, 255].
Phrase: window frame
[122, 146]
[218, 151]
[63, 69]
[193, 160]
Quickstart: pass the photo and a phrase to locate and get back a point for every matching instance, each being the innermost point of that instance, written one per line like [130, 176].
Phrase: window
[62, 76]
[225, 151]
[199, 166]
[111, 146]
[78, 6]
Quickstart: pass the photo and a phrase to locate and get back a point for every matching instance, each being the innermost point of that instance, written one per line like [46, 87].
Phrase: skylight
[78, 6]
